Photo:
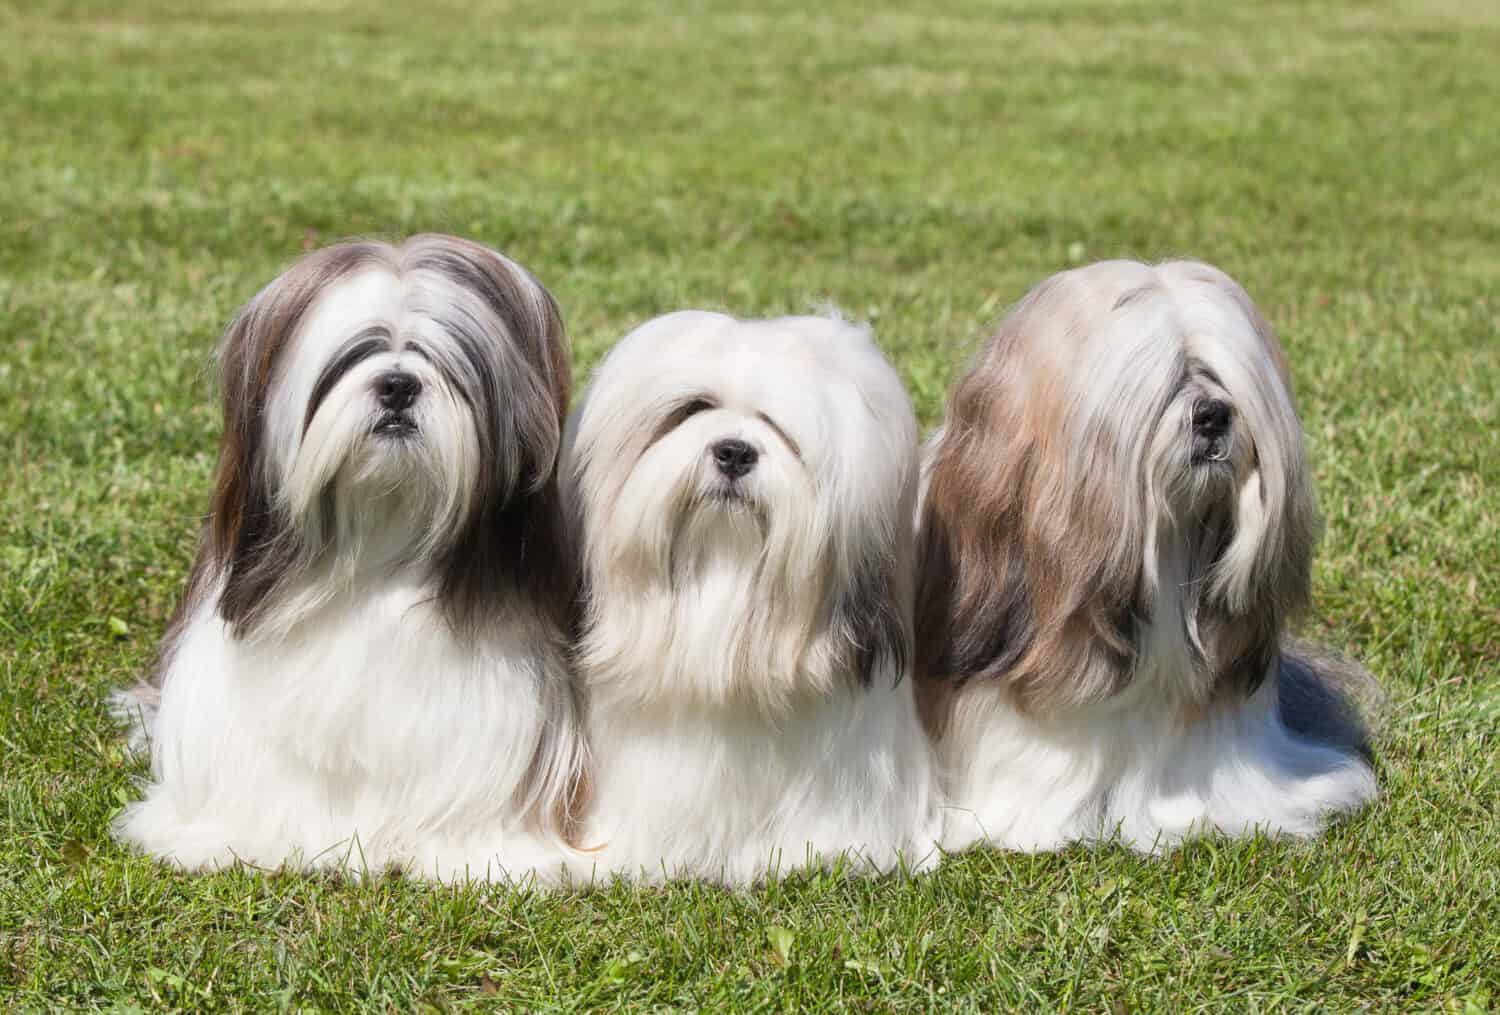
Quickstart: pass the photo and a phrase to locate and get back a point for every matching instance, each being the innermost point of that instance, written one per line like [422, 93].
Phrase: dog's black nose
[734, 457]
[396, 389]
[1211, 417]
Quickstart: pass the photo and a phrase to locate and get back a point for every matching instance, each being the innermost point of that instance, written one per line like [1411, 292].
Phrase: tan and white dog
[1117, 525]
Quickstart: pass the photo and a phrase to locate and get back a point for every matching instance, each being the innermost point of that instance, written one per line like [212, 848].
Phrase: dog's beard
[720, 531]
[712, 591]
[1212, 543]
[1174, 659]
[368, 492]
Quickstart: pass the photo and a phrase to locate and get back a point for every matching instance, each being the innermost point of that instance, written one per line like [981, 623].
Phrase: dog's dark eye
[786, 437]
[676, 417]
[685, 411]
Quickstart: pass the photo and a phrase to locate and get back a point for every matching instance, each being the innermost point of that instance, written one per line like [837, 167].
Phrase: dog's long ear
[247, 543]
[975, 617]
[242, 544]
[513, 548]
[875, 542]
[1028, 561]
[513, 552]
[1258, 569]
[872, 618]
[966, 628]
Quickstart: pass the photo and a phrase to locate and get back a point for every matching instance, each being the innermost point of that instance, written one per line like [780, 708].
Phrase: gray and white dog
[368, 666]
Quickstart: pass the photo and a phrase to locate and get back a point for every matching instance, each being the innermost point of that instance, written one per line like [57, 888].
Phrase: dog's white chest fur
[1137, 770]
[730, 797]
[370, 735]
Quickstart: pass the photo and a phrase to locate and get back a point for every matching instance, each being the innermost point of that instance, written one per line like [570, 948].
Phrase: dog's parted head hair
[390, 406]
[1119, 496]
[744, 491]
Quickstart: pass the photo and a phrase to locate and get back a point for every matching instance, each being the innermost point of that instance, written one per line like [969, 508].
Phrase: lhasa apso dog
[1117, 525]
[369, 665]
[744, 491]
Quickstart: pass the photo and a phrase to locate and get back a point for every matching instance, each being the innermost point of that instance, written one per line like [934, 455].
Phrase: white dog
[1117, 525]
[744, 491]
[369, 665]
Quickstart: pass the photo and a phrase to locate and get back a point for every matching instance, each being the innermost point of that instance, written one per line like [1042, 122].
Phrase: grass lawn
[159, 160]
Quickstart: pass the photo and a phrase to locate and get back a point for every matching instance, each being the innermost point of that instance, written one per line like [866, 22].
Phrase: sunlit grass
[920, 168]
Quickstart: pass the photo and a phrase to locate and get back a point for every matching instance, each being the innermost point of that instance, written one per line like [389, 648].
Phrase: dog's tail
[135, 708]
[1328, 699]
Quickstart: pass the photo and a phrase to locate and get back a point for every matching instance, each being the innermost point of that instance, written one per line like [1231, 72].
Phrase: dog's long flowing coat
[744, 491]
[1117, 525]
[369, 664]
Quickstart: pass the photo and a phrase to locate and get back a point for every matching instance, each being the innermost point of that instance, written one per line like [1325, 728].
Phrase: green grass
[160, 160]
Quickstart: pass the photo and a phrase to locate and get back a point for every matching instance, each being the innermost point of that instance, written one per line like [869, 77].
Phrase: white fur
[730, 797]
[1133, 771]
[730, 736]
[368, 736]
